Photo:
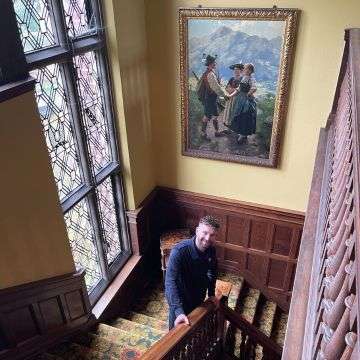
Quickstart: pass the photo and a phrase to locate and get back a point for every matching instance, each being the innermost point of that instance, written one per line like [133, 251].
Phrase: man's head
[210, 62]
[206, 232]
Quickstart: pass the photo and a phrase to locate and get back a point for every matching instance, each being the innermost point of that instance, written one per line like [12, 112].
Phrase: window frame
[63, 54]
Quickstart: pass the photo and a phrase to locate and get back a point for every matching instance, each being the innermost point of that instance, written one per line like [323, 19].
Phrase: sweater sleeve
[171, 289]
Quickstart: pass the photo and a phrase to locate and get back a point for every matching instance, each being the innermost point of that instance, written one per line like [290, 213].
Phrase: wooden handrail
[165, 345]
[252, 331]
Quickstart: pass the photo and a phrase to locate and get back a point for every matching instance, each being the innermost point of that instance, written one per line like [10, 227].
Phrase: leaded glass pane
[33, 19]
[82, 242]
[106, 202]
[79, 17]
[92, 108]
[54, 113]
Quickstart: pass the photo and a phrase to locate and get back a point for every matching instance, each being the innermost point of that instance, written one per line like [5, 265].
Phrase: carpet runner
[128, 336]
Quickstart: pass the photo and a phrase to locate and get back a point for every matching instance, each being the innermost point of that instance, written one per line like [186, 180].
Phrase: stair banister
[271, 348]
[188, 341]
[320, 320]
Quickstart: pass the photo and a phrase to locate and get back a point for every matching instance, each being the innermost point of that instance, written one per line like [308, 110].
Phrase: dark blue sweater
[189, 273]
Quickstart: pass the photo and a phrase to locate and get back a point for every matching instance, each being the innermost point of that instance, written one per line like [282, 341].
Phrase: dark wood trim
[115, 292]
[139, 223]
[298, 308]
[13, 66]
[36, 315]
[231, 205]
[16, 88]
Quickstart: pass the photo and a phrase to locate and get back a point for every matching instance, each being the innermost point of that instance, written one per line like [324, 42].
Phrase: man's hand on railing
[182, 319]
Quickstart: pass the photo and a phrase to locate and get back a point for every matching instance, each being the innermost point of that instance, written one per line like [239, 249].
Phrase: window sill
[113, 289]
[16, 88]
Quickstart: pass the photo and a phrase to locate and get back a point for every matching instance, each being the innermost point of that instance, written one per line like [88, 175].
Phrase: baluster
[333, 343]
[333, 310]
[333, 283]
[350, 341]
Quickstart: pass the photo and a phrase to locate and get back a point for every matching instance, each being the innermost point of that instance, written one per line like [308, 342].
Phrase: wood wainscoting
[34, 316]
[259, 242]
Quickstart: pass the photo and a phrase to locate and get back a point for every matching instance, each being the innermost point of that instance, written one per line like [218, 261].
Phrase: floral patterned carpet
[131, 334]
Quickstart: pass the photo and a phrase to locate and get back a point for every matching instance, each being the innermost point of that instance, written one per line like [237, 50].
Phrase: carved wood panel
[34, 315]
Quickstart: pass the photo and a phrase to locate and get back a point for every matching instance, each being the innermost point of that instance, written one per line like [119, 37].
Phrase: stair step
[249, 303]
[236, 280]
[72, 351]
[279, 328]
[265, 322]
[134, 327]
[157, 309]
[122, 337]
[247, 306]
[108, 347]
[148, 320]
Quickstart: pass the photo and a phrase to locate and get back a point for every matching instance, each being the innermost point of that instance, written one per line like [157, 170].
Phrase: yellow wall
[126, 36]
[33, 237]
[316, 67]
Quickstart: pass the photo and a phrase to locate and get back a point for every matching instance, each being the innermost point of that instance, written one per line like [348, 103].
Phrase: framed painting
[235, 68]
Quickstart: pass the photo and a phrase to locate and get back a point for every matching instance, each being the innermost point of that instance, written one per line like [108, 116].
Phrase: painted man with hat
[208, 91]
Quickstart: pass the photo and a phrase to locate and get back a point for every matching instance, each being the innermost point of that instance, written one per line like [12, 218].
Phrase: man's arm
[212, 274]
[214, 84]
[171, 289]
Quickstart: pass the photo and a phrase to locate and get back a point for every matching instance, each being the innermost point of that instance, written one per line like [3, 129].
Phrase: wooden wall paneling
[36, 315]
[260, 243]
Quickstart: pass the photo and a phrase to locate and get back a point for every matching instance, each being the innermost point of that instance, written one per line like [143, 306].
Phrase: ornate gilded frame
[290, 16]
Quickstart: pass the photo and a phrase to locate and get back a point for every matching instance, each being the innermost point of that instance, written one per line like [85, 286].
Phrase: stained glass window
[92, 107]
[71, 93]
[106, 201]
[82, 242]
[54, 113]
[79, 17]
[34, 23]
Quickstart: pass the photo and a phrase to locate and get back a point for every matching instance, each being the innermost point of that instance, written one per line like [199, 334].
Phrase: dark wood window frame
[16, 80]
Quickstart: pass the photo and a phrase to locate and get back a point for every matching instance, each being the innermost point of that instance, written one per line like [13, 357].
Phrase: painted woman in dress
[231, 86]
[244, 110]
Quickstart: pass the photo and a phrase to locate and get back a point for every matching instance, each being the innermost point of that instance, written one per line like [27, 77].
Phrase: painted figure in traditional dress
[232, 85]
[209, 89]
[243, 112]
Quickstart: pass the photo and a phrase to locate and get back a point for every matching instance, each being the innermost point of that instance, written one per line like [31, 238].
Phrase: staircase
[264, 314]
[131, 334]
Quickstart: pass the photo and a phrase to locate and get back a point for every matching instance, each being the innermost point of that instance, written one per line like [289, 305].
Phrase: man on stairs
[191, 271]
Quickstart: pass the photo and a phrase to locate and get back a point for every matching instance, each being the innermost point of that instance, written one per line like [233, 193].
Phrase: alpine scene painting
[234, 84]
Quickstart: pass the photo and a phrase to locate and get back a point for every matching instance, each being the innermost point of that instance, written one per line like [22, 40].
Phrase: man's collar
[194, 250]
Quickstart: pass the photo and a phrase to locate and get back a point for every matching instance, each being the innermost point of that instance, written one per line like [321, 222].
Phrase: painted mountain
[232, 46]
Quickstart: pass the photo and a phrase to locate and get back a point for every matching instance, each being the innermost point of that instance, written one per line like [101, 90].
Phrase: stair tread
[147, 320]
[72, 351]
[105, 345]
[265, 321]
[133, 340]
[132, 326]
[279, 330]
[249, 304]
